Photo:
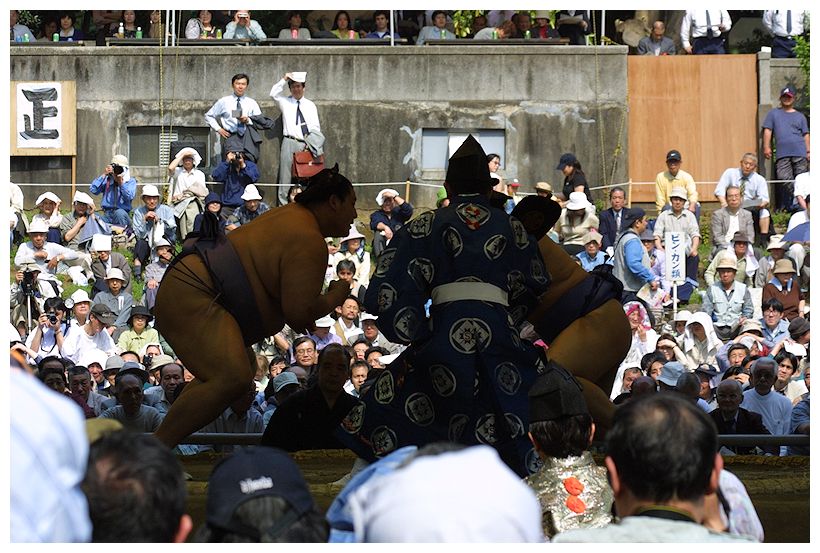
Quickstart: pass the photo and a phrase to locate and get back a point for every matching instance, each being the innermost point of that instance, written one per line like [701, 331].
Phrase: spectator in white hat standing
[105, 259]
[49, 206]
[151, 221]
[393, 212]
[188, 189]
[118, 188]
[250, 210]
[117, 300]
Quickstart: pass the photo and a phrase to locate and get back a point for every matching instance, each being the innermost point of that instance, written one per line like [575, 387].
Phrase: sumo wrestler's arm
[302, 271]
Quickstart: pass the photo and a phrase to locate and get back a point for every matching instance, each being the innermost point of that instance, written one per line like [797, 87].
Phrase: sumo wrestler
[223, 294]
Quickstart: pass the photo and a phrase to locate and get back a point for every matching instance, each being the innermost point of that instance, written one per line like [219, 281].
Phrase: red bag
[305, 165]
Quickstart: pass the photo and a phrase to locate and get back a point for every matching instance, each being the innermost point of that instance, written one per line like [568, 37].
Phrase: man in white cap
[321, 332]
[118, 188]
[80, 305]
[105, 259]
[188, 189]
[393, 212]
[250, 210]
[47, 255]
[299, 118]
[151, 221]
[728, 302]
[682, 220]
[118, 300]
[48, 204]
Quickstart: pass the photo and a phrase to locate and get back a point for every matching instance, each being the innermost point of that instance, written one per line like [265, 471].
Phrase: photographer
[236, 173]
[243, 26]
[29, 289]
[151, 222]
[47, 337]
[118, 188]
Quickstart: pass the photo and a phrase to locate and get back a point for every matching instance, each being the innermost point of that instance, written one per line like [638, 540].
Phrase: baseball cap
[566, 159]
[788, 91]
[634, 214]
[673, 155]
[249, 473]
[103, 313]
[283, 379]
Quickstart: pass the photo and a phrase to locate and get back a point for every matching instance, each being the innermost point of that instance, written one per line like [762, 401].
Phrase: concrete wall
[373, 103]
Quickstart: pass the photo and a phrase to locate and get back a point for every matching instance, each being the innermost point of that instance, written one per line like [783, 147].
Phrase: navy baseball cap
[566, 159]
[249, 473]
[673, 155]
[788, 91]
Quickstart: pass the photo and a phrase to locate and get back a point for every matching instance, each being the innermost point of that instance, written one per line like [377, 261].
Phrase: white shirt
[754, 187]
[802, 184]
[694, 22]
[25, 254]
[221, 112]
[776, 22]
[734, 226]
[183, 180]
[287, 105]
[350, 333]
[78, 341]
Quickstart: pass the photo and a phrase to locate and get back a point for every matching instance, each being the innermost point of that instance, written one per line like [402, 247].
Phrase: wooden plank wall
[703, 106]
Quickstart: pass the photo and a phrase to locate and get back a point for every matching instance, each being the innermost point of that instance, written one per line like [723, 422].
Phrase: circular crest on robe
[517, 314]
[515, 424]
[520, 233]
[533, 461]
[494, 246]
[515, 283]
[455, 429]
[354, 419]
[443, 380]
[421, 225]
[383, 440]
[419, 409]
[485, 431]
[421, 270]
[538, 271]
[384, 388]
[387, 295]
[406, 323]
[508, 378]
[385, 259]
[470, 335]
[473, 215]
[452, 241]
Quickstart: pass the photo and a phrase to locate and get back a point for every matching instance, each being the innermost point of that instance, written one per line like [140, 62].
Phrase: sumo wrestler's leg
[209, 342]
[591, 348]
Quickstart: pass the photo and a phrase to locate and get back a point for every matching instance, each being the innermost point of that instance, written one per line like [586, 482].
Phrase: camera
[147, 359]
[118, 169]
[28, 283]
[237, 158]
[52, 318]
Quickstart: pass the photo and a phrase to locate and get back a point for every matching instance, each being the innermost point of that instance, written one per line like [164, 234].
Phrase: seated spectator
[543, 28]
[309, 417]
[239, 418]
[342, 27]
[129, 20]
[577, 219]
[381, 18]
[52, 372]
[777, 251]
[505, 30]
[611, 219]
[118, 188]
[294, 191]
[657, 262]
[359, 348]
[373, 335]
[785, 382]
[675, 177]
[105, 259]
[802, 189]
[47, 255]
[164, 253]
[279, 388]
[236, 172]
[136, 491]
[688, 385]
[800, 418]
[670, 373]
[707, 375]
[244, 27]
[393, 212]
[295, 30]
[347, 325]
[729, 220]
[644, 339]
[188, 188]
[170, 376]
[345, 270]
[543, 189]
[654, 477]
[739, 373]
[201, 26]
[561, 430]
[92, 335]
[437, 31]
[48, 335]
[775, 409]
[250, 210]
[630, 375]
[277, 509]
[130, 410]
[67, 31]
[79, 382]
[785, 288]
[213, 203]
[656, 44]
[727, 302]
[305, 354]
[747, 264]
[78, 229]
[138, 334]
[18, 30]
[731, 418]
[678, 219]
[48, 205]
[151, 221]
[352, 247]
[592, 256]
[357, 377]
[116, 299]
[700, 342]
[773, 327]
[321, 334]
[754, 193]
[99, 366]
[156, 28]
[523, 25]
[574, 25]
[651, 363]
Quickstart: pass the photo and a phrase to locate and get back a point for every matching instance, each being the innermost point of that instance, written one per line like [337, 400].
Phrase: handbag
[305, 165]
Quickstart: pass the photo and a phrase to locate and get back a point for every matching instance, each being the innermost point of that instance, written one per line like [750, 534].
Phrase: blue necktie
[240, 127]
[788, 23]
[709, 33]
[300, 120]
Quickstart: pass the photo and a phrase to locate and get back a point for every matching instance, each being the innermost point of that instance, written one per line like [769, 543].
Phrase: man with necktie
[611, 220]
[784, 25]
[299, 118]
[707, 29]
[231, 115]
